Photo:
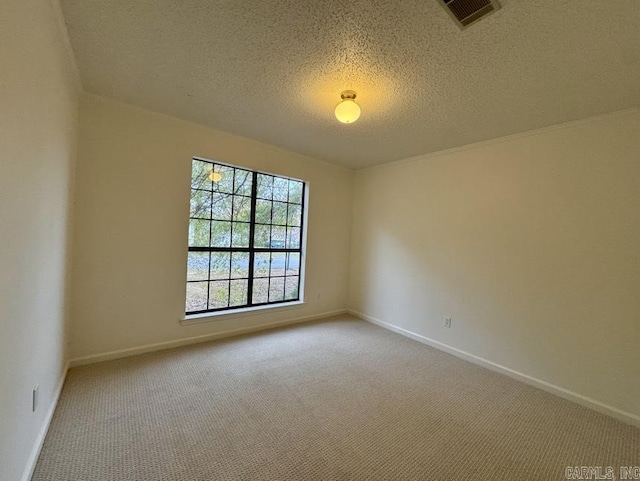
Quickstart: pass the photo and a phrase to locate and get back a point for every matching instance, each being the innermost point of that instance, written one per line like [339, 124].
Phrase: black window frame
[252, 250]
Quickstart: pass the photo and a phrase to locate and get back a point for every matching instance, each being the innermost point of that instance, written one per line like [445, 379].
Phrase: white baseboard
[585, 401]
[160, 346]
[37, 447]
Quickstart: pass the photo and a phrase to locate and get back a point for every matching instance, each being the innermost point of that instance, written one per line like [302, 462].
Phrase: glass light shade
[347, 111]
[215, 176]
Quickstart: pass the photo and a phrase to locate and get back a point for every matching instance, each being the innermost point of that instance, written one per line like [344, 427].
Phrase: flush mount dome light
[348, 111]
[215, 176]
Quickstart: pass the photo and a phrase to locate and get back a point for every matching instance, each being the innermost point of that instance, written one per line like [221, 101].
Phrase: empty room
[319, 240]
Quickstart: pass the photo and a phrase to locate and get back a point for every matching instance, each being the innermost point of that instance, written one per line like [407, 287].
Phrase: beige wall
[132, 206]
[530, 244]
[38, 108]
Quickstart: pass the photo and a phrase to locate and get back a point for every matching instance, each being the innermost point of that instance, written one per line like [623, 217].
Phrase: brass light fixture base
[348, 94]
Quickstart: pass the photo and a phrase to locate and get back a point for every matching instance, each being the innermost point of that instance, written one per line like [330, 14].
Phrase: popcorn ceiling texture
[273, 71]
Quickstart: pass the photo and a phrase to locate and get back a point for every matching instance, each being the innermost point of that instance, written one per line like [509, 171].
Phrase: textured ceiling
[273, 70]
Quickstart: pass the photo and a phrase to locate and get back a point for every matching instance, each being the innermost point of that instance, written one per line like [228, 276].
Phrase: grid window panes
[245, 238]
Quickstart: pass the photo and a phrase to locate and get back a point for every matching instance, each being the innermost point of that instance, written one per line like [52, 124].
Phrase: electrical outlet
[447, 322]
[34, 398]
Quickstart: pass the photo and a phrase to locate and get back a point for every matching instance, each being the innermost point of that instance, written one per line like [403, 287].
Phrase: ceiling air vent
[466, 12]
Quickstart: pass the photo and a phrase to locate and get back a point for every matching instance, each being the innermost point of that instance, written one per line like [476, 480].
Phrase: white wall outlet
[34, 397]
[447, 322]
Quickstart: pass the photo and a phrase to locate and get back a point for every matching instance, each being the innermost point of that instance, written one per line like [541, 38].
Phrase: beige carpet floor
[334, 400]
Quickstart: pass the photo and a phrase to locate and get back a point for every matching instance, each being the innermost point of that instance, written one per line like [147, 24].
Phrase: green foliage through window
[245, 238]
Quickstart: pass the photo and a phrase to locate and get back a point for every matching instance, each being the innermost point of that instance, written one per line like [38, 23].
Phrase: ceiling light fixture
[215, 176]
[348, 111]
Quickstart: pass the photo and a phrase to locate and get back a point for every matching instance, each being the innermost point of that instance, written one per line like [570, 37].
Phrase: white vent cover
[466, 12]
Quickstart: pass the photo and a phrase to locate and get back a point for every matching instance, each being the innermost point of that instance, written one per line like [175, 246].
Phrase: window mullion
[252, 228]
[210, 237]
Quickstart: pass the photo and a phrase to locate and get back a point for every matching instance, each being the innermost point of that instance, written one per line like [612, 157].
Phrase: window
[245, 238]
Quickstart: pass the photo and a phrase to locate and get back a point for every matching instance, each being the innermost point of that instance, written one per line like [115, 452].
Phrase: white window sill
[239, 313]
